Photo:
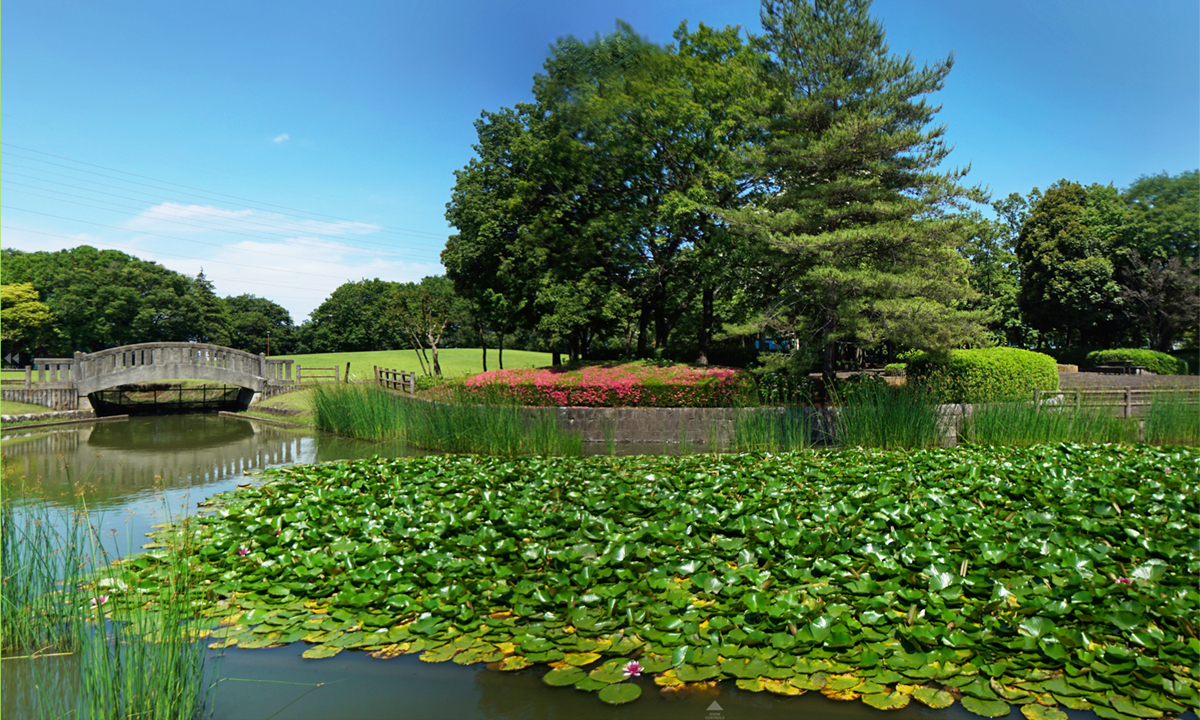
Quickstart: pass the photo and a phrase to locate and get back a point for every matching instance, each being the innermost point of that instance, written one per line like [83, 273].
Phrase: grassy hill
[455, 362]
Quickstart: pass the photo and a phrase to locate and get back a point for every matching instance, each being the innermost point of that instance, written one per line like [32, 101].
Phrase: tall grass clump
[772, 429]
[89, 648]
[41, 552]
[372, 413]
[874, 414]
[1173, 418]
[1032, 423]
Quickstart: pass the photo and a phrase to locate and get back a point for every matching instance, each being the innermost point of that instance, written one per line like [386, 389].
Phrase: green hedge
[1156, 362]
[1191, 355]
[985, 375]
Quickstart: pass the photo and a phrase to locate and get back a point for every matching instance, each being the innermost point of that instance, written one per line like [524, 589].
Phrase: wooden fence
[311, 375]
[396, 379]
[1126, 402]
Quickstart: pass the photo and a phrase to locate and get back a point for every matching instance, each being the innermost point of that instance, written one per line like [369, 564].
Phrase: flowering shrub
[636, 384]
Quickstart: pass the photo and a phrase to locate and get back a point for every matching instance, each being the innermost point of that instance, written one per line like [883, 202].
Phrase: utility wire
[218, 228]
[194, 189]
[132, 250]
[159, 199]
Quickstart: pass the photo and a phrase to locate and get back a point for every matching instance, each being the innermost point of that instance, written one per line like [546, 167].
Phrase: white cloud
[173, 218]
[280, 138]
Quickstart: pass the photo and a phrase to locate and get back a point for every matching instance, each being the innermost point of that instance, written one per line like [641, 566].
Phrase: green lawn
[455, 362]
[18, 408]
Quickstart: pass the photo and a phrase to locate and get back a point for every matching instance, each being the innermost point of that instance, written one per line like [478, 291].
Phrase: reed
[1173, 418]
[1029, 423]
[878, 415]
[772, 429]
[371, 413]
[86, 648]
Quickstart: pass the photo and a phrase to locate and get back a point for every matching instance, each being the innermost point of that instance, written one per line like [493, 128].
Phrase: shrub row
[984, 375]
[1154, 361]
[635, 384]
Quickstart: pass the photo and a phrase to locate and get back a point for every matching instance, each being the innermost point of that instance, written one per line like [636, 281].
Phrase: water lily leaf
[667, 679]
[610, 672]
[986, 708]
[439, 654]
[842, 695]
[691, 673]
[1036, 626]
[513, 662]
[842, 682]
[749, 684]
[1074, 703]
[780, 687]
[560, 677]
[620, 693]
[317, 652]
[745, 667]
[1034, 711]
[932, 697]
[586, 658]
[887, 701]
[980, 689]
[1123, 704]
[1109, 714]
[261, 641]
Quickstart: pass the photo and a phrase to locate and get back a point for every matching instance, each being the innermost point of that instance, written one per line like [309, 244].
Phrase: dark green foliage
[357, 316]
[1154, 361]
[1168, 211]
[1067, 254]
[974, 567]
[983, 375]
[1191, 356]
[105, 298]
[252, 318]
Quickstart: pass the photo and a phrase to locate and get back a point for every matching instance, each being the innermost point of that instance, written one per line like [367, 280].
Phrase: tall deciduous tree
[252, 320]
[850, 189]
[1066, 249]
[25, 321]
[423, 311]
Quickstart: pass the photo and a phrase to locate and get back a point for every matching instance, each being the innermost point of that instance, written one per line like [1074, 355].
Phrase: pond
[131, 472]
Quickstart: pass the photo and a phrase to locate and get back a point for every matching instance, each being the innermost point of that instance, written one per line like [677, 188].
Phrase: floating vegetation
[1045, 577]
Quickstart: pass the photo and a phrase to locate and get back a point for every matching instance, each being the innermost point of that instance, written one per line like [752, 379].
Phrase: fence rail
[311, 375]
[396, 379]
[1127, 402]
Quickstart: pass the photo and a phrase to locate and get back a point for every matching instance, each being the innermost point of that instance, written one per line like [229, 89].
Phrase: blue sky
[286, 148]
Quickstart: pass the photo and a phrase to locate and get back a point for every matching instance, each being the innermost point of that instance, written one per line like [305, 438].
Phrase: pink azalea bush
[634, 384]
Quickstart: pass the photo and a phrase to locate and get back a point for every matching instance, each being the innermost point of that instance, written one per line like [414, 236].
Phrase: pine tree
[851, 197]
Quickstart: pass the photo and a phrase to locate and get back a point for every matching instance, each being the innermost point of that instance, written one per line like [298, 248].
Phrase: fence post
[412, 383]
[1128, 402]
[28, 376]
[347, 377]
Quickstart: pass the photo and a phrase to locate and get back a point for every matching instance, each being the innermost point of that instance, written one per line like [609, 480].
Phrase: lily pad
[932, 697]
[986, 708]
[1034, 711]
[560, 677]
[620, 693]
[318, 652]
[887, 701]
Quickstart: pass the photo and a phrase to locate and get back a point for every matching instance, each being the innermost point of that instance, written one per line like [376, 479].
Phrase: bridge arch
[154, 362]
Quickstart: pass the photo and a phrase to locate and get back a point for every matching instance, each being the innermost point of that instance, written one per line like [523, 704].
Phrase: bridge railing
[90, 365]
[279, 372]
[55, 372]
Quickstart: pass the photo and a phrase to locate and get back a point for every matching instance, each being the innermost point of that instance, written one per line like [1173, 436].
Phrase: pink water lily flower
[243, 551]
[1124, 581]
[633, 668]
[99, 600]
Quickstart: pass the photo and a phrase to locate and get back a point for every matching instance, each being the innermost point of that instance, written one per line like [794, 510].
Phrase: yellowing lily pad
[439, 654]
[780, 687]
[932, 697]
[513, 662]
[1034, 711]
[318, 652]
[842, 682]
[750, 684]
[667, 679]
[579, 659]
[843, 695]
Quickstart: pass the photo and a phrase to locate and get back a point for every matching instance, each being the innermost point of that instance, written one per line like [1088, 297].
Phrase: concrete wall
[53, 398]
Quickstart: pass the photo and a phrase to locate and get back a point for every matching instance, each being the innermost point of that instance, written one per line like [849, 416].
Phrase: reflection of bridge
[87, 373]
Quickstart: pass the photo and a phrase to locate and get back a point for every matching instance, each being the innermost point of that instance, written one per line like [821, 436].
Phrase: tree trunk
[483, 344]
[556, 357]
[660, 318]
[706, 323]
[437, 369]
[500, 349]
[827, 373]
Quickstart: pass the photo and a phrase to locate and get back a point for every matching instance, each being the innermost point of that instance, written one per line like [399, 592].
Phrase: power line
[218, 228]
[132, 250]
[194, 189]
[158, 198]
[168, 237]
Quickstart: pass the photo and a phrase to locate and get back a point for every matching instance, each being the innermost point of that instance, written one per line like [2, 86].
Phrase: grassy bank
[455, 362]
[8, 407]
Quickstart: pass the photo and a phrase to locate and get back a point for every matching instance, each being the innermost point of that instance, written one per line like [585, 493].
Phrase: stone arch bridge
[88, 373]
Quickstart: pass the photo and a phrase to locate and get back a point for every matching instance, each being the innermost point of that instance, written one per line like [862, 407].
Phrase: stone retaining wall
[34, 417]
[53, 398]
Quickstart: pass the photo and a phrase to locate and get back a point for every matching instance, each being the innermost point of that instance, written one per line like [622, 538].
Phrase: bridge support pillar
[245, 397]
